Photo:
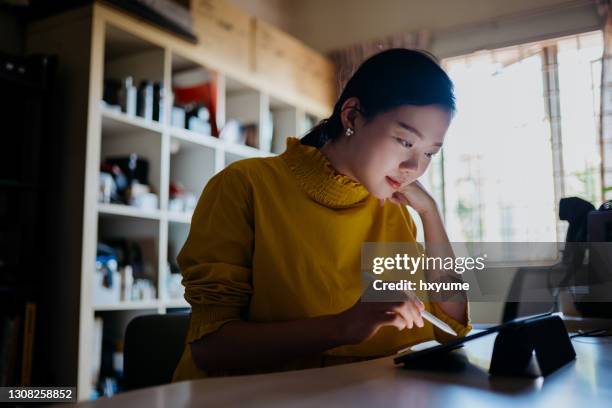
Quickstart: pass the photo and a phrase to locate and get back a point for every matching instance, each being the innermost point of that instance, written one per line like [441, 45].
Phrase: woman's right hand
[362, 320]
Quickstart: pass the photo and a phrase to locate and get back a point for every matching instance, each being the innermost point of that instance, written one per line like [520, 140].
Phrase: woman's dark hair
[386, 80]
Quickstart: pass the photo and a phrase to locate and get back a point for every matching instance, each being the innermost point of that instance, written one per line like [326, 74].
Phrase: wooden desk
[586, 382]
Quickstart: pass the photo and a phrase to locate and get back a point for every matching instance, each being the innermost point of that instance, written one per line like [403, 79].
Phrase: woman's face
[394, 148]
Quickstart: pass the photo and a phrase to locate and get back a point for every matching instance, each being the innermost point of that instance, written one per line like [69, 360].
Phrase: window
[498, 162]
[524, 136]
[579, 60]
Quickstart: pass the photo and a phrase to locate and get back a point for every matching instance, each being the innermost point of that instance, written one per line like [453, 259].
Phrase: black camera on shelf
[125, 172]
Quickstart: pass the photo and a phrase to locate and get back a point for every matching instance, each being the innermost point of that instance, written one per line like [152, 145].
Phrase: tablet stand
[544, 340]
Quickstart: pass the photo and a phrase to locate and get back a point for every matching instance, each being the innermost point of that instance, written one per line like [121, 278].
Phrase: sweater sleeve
[461, 329]
[216, 258]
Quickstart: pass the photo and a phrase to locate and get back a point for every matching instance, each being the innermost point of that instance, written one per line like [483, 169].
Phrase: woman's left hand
[416, 196]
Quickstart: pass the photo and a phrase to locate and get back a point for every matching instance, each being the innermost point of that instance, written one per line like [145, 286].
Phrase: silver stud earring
[349, 131]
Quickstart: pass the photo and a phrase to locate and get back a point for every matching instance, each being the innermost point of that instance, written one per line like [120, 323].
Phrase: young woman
[271, 266]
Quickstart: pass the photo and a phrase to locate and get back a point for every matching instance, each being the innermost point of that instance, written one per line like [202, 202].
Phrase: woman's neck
[337, 153]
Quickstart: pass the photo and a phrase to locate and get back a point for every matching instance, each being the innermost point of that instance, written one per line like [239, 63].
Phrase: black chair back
[153, 347]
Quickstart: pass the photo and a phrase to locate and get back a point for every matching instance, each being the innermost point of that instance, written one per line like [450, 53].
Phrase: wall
[457, 26]
[279, 13]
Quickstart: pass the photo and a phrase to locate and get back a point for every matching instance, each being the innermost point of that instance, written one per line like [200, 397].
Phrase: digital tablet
[410, 356]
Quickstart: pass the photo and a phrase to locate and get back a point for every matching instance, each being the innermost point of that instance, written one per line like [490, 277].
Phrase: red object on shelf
[176, 189]
[206, 94]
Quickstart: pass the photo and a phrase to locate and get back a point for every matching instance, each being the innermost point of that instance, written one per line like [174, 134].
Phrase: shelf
[176, 303]
[193, 137]
[128, 305]
[128, 211]
[123, 136]
[213, 142]
[119, 123]
[182, 218]
[133, 212]
[244, 150]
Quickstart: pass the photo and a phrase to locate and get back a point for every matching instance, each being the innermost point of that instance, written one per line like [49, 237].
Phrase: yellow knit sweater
[279, 238]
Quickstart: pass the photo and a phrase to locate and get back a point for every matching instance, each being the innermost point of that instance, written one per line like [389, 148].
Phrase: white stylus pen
[437, 322]
[426, 315]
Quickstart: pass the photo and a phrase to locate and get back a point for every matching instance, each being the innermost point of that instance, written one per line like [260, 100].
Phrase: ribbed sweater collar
[319, 179]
